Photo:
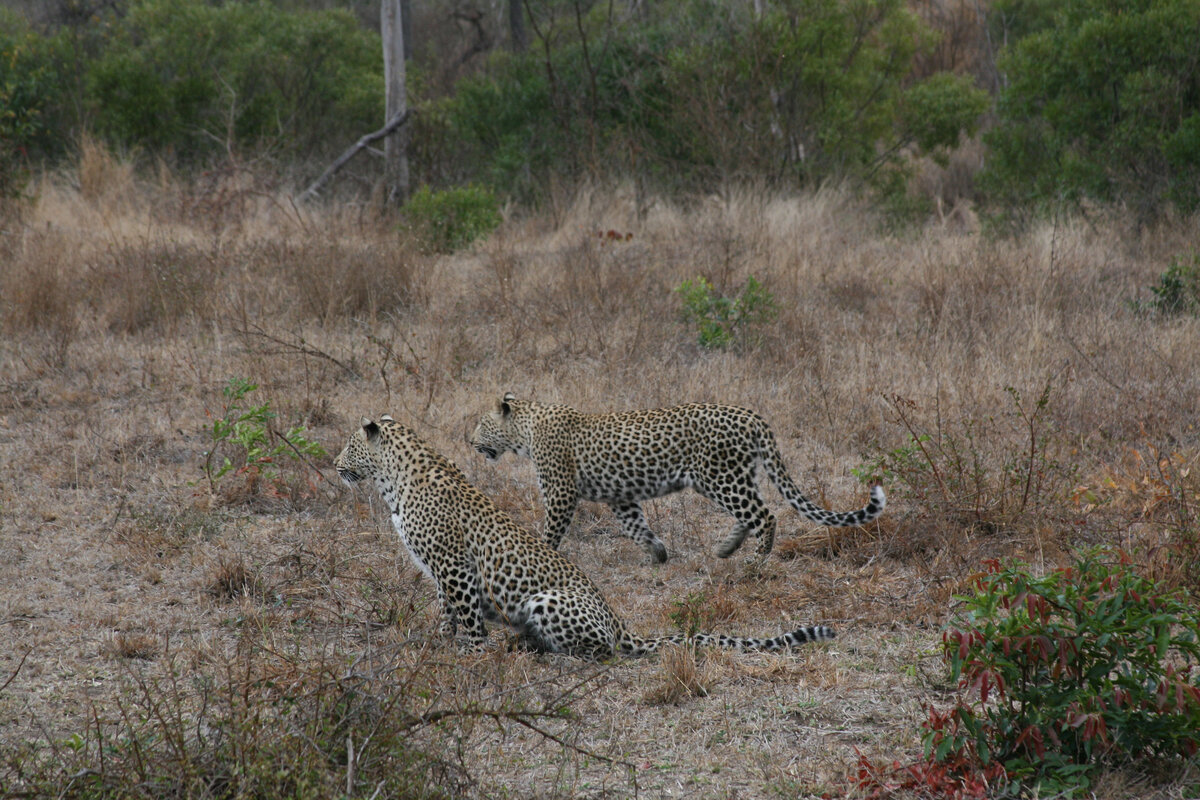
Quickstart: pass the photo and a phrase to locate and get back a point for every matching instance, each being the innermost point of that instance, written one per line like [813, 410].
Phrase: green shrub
[244, 442]
[29, 86]
[814, 90]
[1102, 102]
[723, 321]
[690, 94]
[1090, 663]
[1178, 289]
[524, 121]
[197, 78]
[451, 219]
[937, 111]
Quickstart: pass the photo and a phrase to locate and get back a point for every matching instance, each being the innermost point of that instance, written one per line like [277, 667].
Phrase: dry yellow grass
[126, 308]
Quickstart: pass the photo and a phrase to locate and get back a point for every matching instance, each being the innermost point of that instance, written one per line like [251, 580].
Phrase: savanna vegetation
[949, 247]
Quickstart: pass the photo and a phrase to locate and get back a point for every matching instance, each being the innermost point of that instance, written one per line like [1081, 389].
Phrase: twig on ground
[13, 677]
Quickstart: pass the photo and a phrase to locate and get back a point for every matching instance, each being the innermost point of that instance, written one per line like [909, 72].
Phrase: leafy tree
[1102, 102]
[195, 77]
[701, 91]
[29, 89]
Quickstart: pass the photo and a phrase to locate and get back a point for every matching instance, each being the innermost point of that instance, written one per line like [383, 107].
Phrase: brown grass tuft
[231, 578]
[131, 646]
[156, 285]
[39, 292]
[104, 179]
[824, 542]
[681, 675]
[335, 280]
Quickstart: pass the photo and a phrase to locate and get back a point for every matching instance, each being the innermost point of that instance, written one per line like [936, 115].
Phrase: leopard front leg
[633, 525]
[459, 593]
[447, 623]
[561, 502]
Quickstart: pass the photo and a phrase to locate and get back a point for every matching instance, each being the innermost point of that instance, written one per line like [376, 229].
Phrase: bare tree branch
[341, 161]
[482, 43]
[300, 346]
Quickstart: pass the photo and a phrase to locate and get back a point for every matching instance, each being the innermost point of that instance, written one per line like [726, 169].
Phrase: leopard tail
[772, 462]
[636, 646]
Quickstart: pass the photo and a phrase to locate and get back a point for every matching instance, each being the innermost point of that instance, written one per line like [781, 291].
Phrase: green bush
[523, 121]
[196, 78]
[723, 321]
[814, 90]
[1088, 664]
[243, 441]
[1102, 102]
[937, 111]
[1178, 289]
[29, 87]
[690, 94]
[451, 219]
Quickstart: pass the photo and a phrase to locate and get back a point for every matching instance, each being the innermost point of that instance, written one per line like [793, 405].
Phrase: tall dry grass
[952, 326]
[128, 304]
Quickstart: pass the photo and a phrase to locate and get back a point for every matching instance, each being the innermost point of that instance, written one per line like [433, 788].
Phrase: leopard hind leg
[741, 499]
[551, 622]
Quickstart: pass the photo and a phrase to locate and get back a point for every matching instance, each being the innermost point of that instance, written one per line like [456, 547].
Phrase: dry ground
[130, 588]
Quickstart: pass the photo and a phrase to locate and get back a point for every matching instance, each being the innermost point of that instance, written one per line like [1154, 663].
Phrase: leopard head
[359, 459]
[497, 432]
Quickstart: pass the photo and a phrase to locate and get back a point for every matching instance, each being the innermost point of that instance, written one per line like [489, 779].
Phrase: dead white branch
[341, 161]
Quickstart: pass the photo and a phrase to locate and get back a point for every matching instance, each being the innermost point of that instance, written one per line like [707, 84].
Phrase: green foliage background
[195, 78]
[699, 92]
[1102, 103]
[189, 81]
[1094, 100]
[29, 91]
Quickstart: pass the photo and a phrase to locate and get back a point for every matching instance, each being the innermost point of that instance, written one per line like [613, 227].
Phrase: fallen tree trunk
[341, 161]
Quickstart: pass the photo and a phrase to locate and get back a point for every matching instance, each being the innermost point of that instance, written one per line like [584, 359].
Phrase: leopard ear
[370, 429]
[386, 418]
[506, 403]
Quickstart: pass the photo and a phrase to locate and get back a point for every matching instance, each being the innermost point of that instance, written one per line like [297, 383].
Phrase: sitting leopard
[624, 458]
[486, 567]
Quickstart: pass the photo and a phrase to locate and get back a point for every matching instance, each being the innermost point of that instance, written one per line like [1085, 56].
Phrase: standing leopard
[624, 458]
[487, 568]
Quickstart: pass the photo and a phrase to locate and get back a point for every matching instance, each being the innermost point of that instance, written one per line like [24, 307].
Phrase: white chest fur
[398, 524]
